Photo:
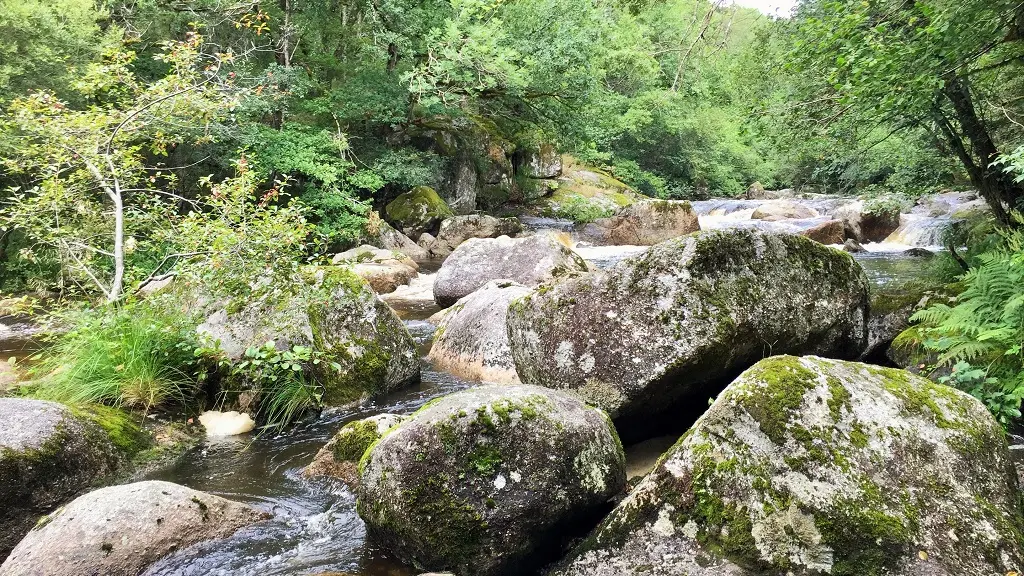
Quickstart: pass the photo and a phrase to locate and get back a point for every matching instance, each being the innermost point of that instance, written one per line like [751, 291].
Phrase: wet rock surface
[121, 530]
[490, 480]
[339, 458]
[643, 223]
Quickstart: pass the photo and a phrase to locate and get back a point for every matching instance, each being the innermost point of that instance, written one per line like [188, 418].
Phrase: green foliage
[287, 390]
[982, 333]
[137, 355]
[579, 209]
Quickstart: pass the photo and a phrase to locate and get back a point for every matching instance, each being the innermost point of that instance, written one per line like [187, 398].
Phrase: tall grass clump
[136, 356]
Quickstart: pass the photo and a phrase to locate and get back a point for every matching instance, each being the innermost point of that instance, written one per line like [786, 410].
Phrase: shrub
[579, 209]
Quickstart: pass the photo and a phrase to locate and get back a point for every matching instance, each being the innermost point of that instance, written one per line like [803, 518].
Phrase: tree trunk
[996, 186]
[117, 284]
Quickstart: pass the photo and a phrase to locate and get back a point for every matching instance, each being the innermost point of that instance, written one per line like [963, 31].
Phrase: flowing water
[315, 527]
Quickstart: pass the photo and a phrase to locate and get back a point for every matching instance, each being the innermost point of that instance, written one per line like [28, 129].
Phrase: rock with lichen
[122, 530]
[528, 261]
[643, 223]
[491, 480]
[417, 211]
[471, 341]
[339, 458]
[816, 466]
[48, 455]
[455, 231]
[676, 324]
[362, 346]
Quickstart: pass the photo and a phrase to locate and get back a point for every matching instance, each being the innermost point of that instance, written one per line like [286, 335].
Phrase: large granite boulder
[48, 455]
[643, 223]
[339, 458]
[471, 341]
[815, 466]
[831, 232]
[678, 322]
[528, 261]
[455, 231]
[365, 348]
[774, 210]
[417, 211]
[121, 530]
[491, 480]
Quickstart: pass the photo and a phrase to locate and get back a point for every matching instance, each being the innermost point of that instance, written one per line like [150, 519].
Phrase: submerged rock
[339, 458]
[339, 317]
[815, 466]
[491, 480]
[48, 455]
[417, 211]
[528, 261]
[852, 246]
[644, 223]
[455, 231]
[471, 340]
[121, 530]
[679, 321]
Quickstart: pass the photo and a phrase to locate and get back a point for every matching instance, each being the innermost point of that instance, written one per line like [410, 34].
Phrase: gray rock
[121, 530]
[866, 226]
[489, 480]
[815, 466]
[542, 162]
[383, 270]
[852, 246]
[891, 309]
[681, 320]
[339, 458]
[339, 316]
[48, 455]
[471, 341]
[644, 223]
[528, 261]
[386, 237]
[455, 231]
[460, 183]
[782, 210]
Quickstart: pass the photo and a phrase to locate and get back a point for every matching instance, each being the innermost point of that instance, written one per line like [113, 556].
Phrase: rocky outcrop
[528, 261]
[461, 182]
[383, 270]
[867, 226]
[417, 211]
[48, 455]
[544, 161]
[363, 346]
[471, 341]
[782, 210]
[455, 231]
[815, 466]
[381, 235]
[681, 320]
[490, 480]
[121, 530]
[831, 232]
[643, 223]
[339, 458]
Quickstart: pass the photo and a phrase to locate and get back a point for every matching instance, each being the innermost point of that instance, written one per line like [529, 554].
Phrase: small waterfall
[922, 231]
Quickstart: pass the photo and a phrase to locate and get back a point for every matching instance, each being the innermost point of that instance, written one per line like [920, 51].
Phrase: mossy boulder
[455, 231]
[417, 211]
[339, 458]
[643, 223]
[471, 341]
[528, 261]
[816, 466]
[677, 323]
[122, 530]
[48, 455]
[542, 161]
[336, 314]
[491, 480]
[891, 309]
